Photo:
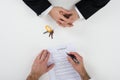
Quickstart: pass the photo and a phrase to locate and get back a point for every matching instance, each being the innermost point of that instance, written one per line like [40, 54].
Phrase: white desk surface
[21, 39]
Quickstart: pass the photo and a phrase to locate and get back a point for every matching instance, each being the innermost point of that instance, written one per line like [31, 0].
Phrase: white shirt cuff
[46, 11]
[80, 15]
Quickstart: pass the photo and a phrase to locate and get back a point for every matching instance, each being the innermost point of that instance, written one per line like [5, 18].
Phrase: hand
[57, 13]
[40, 66]
[79, 67]
[74, 15]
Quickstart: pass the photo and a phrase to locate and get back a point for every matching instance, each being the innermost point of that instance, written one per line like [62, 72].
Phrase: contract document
[62, 70]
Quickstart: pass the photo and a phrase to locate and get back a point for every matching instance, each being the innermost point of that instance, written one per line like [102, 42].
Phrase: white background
[21, 39]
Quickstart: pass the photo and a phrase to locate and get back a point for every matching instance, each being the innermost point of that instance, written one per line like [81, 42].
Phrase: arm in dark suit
[38, 5]
[88, 7]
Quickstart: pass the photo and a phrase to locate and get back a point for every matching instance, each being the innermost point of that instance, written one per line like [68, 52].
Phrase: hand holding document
[61, 63]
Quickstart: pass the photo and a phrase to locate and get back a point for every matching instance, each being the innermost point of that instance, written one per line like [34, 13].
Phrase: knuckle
[40, 62]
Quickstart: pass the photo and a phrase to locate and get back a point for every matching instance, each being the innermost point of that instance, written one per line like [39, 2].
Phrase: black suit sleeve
[88, 7]
[38, 6]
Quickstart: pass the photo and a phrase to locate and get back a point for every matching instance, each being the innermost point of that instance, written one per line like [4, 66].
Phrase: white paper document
[62, 70]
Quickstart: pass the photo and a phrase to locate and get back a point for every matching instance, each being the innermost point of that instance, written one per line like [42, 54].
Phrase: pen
[73, 58]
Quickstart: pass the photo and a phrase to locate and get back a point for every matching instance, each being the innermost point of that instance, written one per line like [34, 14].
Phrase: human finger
[70, 60]
[70, 24]
[39, 55]
[71, 19]
[59, 23]
[62, 23]
[63, 18]
[47, 57]
[65, 11]
[76, 55]
[50, 66]
[65, 25]
[43, 56]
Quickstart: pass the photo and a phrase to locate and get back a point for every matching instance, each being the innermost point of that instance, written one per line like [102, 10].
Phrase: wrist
[50, 10]
[84, 75]
[32, 77]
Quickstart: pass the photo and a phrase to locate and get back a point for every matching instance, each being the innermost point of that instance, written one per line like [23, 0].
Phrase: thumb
[66, 11]
[50, 66]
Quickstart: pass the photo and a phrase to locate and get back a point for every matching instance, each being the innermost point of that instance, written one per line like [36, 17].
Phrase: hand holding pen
[77, 62]
[73, 58]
